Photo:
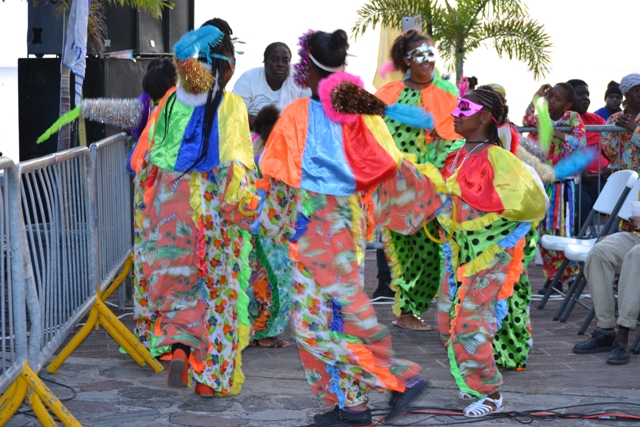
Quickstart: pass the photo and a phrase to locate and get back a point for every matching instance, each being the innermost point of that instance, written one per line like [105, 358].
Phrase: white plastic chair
[605, 203]
[608, 202]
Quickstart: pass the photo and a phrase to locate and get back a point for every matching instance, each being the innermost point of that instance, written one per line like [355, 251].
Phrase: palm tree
[96, 31]
[462, 26]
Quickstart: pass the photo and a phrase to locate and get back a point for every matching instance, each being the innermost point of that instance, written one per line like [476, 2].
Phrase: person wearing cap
[613, 99]
[507, 132]
[623, 148]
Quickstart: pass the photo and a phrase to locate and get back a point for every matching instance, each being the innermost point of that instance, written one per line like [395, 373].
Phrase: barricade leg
[47, 398]
[92, 321]
[11, 400]
[101, 315]
[40, 410]
[121, 334]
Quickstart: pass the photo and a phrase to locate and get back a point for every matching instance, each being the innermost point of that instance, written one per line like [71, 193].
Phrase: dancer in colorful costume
[321, 166]
[194, 162]
[414, 259]
[496, 200]
[271, 281]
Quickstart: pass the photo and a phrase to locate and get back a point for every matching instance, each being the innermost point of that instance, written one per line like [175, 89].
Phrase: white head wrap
[629, 81]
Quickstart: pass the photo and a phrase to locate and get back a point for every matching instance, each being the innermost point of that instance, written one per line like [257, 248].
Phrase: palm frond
[522, 39]
[154, 7]
[389, 13]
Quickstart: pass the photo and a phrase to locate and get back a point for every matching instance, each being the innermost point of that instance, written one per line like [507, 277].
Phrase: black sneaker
[598, 343]
[401, 402]
[339, 417]
[557, 287]
[383, 290]
[619, 355]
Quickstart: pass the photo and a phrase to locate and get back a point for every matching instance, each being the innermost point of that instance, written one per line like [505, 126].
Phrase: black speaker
[38, 104]
[112, 78]
[39, 97]
[45, 34]
[127, 29]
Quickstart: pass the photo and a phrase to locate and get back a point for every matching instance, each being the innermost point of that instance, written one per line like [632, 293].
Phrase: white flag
[75, 43]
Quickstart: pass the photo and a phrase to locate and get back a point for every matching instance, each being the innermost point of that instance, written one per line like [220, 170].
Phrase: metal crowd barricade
[114, 209]
[106, 250]
[18, 379]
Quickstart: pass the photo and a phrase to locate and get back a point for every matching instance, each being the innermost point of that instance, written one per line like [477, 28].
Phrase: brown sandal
[276, 343]
[397, 323]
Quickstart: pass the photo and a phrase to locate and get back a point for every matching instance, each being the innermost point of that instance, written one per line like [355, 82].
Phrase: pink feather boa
[326, 87]
[386, 68]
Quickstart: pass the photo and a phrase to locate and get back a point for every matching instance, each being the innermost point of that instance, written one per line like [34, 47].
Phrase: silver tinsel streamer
[122, 113]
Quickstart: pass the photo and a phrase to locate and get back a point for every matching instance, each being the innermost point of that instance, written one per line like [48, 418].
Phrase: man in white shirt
[271, 84]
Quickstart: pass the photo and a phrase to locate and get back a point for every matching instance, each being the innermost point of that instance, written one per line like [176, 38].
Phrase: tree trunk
[64, 136]
[459, 65]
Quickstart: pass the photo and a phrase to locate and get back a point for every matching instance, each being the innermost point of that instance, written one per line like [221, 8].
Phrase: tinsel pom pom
[194, 76]
[533, 147]
[301, 69]
[145, 99]
[544, 171]
[335, 105]
[122, 113]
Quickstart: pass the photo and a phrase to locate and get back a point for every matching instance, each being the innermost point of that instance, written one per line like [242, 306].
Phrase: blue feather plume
[197, 42]
[576, 162]
[409, 115]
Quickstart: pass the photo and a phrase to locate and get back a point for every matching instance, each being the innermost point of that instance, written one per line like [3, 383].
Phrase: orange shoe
[204, 390]
[178, 370]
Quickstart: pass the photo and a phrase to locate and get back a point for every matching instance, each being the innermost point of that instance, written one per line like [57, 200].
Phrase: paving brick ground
[109, 389]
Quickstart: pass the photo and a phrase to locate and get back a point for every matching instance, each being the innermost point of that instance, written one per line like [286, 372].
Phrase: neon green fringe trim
[58, 124]
[457, 376]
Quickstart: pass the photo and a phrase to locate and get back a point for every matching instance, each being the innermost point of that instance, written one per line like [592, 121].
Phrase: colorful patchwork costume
[497, 201]
[319, 179]
[414, 259]
[192, 238]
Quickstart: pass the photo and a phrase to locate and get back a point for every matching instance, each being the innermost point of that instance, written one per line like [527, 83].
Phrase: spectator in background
[159, 78]
[623, 148]
[596, 174]
[613, 98]
[560, 99]
[271, 84]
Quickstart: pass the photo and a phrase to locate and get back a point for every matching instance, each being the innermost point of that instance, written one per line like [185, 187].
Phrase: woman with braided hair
[513, 342]
[331, 172]
[414, 260]
[495, 202]
[193, 220]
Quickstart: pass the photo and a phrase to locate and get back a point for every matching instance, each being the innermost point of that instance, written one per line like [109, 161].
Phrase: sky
[592, 41]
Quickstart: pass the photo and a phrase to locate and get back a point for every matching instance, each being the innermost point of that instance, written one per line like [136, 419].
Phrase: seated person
[613, 99]
[617, 253]
[271, 84]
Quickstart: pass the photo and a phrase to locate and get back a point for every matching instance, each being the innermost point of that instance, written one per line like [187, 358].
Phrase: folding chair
[608, 202]
[579, 253]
